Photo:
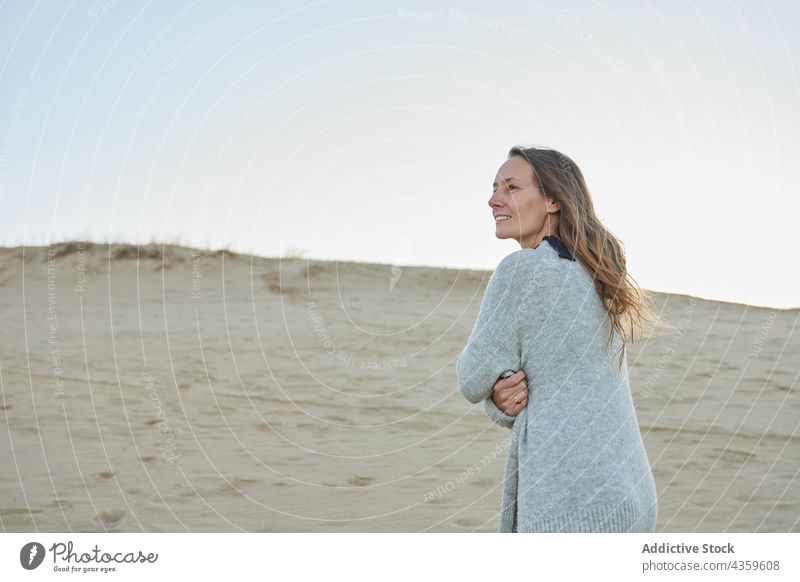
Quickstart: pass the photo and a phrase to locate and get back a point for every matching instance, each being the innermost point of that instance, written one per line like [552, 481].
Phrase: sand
[165, 389]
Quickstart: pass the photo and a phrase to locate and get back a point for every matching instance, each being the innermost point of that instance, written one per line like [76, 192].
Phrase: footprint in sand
[339, 420]
[360, 481]
[18, 511]
[63, 503]
[467, 522]
[733, 455]
[269, 426]
[313, 426]
[103, 475]
[110, 518]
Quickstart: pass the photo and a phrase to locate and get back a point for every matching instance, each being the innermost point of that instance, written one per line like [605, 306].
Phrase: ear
[553, 205]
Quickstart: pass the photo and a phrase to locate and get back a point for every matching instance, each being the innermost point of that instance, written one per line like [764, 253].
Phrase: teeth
[499, 218]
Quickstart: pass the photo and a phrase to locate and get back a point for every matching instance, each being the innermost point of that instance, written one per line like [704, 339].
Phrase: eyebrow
[507, 180]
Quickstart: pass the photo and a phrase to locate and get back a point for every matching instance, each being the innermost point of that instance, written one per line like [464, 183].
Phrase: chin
[505, 231]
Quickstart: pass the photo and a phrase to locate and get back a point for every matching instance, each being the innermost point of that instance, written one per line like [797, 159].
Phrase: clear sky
[372, 131]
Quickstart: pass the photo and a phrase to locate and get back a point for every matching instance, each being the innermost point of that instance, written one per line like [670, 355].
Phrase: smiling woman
[576, 462]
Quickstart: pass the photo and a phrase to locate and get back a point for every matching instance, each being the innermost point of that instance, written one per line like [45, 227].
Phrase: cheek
[531, 212]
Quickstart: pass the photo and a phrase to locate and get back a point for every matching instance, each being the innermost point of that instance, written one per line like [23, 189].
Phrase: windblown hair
[628, 306]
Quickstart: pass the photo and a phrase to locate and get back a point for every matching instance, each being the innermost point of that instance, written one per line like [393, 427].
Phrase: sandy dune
[166, 389]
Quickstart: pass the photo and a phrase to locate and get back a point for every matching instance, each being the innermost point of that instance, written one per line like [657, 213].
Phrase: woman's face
[517, 195]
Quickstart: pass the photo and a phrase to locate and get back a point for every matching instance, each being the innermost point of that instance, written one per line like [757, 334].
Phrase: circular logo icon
[31, 555]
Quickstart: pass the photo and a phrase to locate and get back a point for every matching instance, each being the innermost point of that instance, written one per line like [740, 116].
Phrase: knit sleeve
[494, 344]
[496, 415]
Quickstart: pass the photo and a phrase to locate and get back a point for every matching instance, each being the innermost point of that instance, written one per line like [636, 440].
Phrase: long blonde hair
[628, 306]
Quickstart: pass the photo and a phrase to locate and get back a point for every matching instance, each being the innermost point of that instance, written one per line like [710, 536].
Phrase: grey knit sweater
[576, 461]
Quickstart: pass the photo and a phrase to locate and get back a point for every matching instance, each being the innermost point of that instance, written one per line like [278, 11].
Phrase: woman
[576, 461]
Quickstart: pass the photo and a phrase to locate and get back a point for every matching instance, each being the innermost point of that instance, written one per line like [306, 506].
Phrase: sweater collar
[559, 247]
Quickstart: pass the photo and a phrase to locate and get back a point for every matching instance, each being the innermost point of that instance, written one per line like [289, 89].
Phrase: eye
[511, 186]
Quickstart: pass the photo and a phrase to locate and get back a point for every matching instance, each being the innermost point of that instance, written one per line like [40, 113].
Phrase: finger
[513, 379]
[512, 388]
[509, 391]
[517, 398]
[511, 404]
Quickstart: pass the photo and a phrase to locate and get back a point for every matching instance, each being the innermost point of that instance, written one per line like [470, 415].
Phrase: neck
[534, 242]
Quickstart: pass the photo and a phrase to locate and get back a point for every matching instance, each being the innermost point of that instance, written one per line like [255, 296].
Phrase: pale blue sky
[373, 131]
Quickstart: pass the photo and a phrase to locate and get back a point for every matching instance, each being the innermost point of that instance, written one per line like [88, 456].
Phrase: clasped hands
[511, 394]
